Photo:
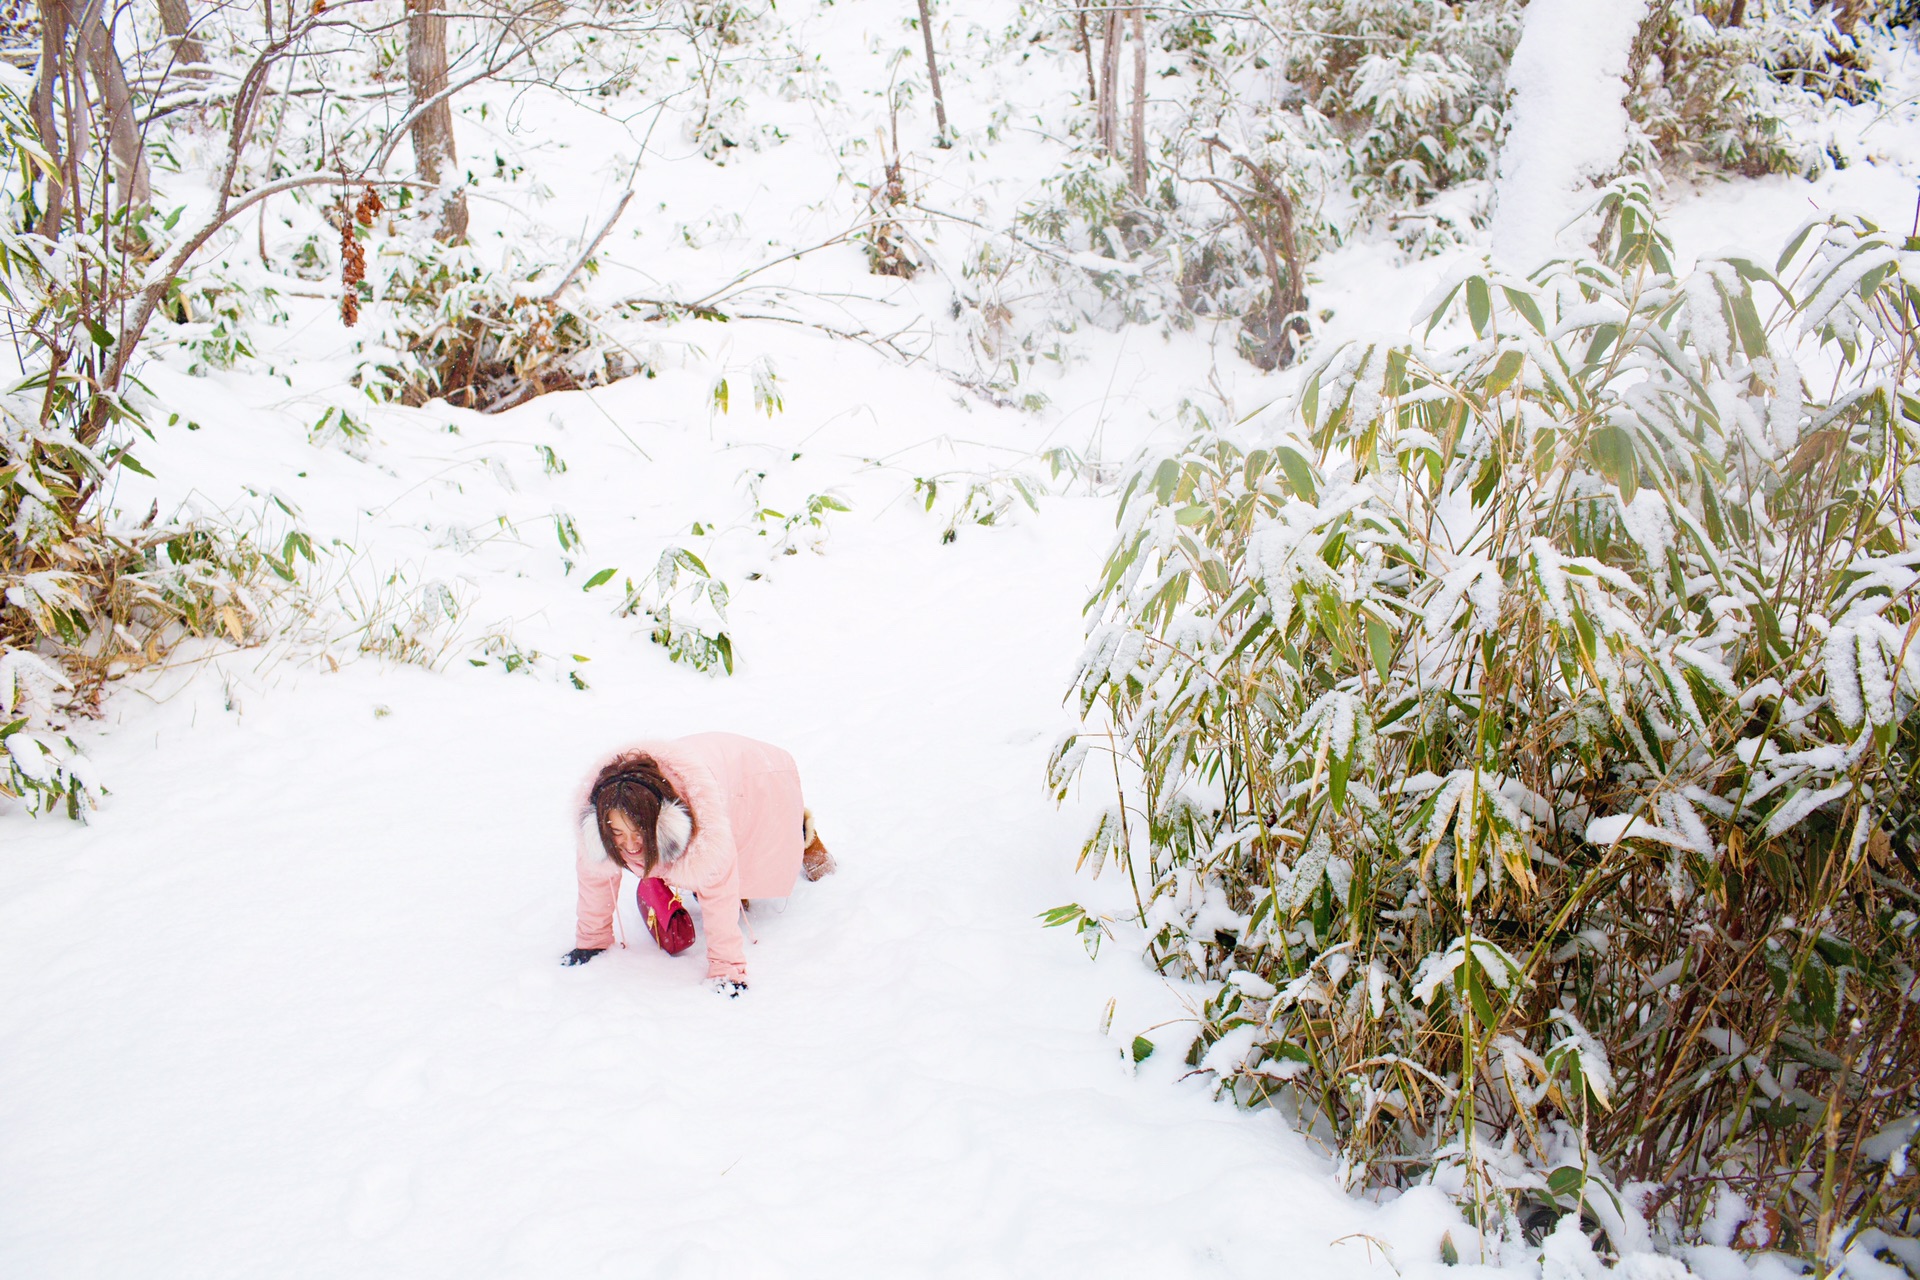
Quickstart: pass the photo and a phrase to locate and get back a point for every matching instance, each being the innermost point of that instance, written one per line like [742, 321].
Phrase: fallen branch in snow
[715, 295]
[667, 308]
[567, 277]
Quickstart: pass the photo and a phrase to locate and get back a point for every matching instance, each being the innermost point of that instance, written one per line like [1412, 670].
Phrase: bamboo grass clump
[1517, 738]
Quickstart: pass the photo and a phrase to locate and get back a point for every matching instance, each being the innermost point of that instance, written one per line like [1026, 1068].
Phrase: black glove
[580, 955]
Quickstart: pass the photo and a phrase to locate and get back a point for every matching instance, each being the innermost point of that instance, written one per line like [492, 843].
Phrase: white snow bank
[1567, 125]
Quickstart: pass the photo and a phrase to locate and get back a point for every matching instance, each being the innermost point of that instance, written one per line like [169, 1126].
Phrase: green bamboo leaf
[1523, 302]
[1505, 370]
[1053, 917]
[1604, 336]
[1256, 466]
[1439, 313]
[1299, 471]
[1166, 478]
[1476, 991]
[1479, 305]
[1380, 646]
[1793, 245]
[132, 464]
[1613, 455]
[1567, 1183]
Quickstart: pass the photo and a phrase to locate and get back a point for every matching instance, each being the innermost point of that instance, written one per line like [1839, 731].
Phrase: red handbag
[668, 919]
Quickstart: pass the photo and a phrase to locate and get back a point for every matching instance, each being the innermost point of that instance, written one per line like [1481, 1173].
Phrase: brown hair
[634, 785]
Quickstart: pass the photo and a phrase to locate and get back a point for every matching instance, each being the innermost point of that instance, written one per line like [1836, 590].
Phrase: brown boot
[815, 861]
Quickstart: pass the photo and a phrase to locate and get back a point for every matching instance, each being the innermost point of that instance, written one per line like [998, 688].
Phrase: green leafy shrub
[688, 608]
[1518, 739]
[1712, 89]
[480, 338]
[1415, 89]
[214, 317]
[87, 592]
[44, 770]
[978, 497]
[1374, 116]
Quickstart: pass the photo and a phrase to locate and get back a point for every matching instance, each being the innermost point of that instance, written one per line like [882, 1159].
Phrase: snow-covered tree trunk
[433, 150]
[1568, 125]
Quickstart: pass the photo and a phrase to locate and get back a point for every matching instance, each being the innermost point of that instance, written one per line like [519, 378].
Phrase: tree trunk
[64, 113]
[1086, 47]
[177, 21]
[433, 152]
[933, 74]
[131, 183]
[1107, 130]
[1139, 103]
[56, 20]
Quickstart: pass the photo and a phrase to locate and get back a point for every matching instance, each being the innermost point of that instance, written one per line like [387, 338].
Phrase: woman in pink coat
[715, 814]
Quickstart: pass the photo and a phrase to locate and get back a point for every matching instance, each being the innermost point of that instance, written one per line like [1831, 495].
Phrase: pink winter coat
[745, 800]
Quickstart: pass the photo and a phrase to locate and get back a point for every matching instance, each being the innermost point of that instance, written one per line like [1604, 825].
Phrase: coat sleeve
[599, 893]
[710, 868]
[720, 910]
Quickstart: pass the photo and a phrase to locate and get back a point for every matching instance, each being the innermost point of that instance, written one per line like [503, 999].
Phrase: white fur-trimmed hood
[673, 832]
[693, 835]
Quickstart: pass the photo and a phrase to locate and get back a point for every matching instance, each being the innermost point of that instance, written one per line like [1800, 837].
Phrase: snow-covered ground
[288, 1005]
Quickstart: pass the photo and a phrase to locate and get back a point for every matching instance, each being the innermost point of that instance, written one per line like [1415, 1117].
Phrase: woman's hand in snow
[580, 955]
[729, 988]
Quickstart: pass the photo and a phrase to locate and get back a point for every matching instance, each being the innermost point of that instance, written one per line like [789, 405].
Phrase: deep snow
[1567, 125]
[290, 1004]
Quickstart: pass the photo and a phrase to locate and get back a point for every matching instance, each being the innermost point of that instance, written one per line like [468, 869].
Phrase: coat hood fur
[691, 831]
[673, 832]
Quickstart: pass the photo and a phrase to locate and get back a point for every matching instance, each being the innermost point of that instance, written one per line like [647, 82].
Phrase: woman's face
[626, 836]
